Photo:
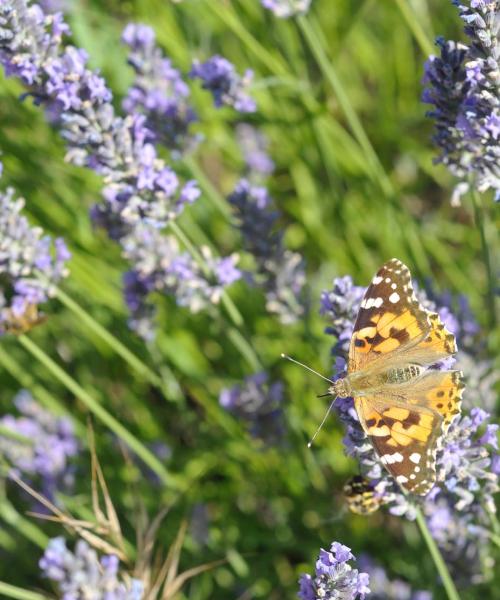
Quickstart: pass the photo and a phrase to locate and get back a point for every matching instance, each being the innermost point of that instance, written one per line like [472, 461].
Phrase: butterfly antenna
[309, 444]
[305, 367]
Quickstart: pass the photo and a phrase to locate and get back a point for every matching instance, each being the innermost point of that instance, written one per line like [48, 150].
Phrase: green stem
[313, 38]
[245, 349]
[135, 362]
[11, 591]
[190, 247]
[40, 393]
[101, 413]
[415, 27]
[212, 193]
[30, 531]
[411, 239]
[224, 12]
[480, 224]
[233, 312]
[441, 567]
[235, 335]
[13, 435]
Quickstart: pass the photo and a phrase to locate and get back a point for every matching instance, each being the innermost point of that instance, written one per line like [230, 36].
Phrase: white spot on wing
[389, 459]
[394, 297]
[401, 479]
[415, 457]
[377, 279]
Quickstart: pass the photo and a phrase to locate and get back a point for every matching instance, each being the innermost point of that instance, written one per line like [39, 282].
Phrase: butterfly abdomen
[404, 374]
[365, 382]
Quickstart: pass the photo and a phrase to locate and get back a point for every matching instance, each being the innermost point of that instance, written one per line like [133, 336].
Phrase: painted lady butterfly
[360, 496]
[404, 407]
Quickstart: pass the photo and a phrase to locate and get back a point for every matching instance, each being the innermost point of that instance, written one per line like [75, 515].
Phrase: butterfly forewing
[389, 317]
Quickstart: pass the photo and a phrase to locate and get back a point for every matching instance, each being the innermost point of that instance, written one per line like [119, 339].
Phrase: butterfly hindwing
[405, 438]
[441, 391]
[390, 317]
[438, 343]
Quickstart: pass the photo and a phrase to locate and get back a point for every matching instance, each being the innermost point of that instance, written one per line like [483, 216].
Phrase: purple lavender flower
[82, 574]
[141, 193]
[219, 77]
[340, 307]
[159, 266]
[31, 264]
[139, 186]
[463, 539]
[383, 588]
[53, 6]
[45, 458]
[254, 146]
[287, 8]
[257, 403]
[334, 577]
[279, 271]
[158, 91]
[464, 87]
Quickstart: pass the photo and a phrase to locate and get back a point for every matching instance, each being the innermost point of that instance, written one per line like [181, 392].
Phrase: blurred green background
[269, 510]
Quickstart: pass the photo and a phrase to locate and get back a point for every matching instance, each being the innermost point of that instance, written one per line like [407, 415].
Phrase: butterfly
[19, 324]
[361, 497]
[404, 407]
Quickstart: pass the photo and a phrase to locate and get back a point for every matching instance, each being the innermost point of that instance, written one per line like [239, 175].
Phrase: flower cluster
[334, 577]
[44, 458]
[287, 8]
[463, 85]
[138, 183]
[159, 266]
[254, 146]
[383, 588]
[279, 271]
[81, 574]
[141, 193]
[258, 403]
[31, 264]
[340, 307]
[220, 78]
[158, 91]
[458, 508]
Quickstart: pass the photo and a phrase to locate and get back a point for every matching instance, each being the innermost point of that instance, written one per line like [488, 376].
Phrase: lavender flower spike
[158, 91]
[383, 588]
[334, 578]
[280, 271]
[159, 266]
[30, 263]
[45, 460]
[254, 145]
[219, 77]
[463, 84]
[258, 404]
[81, 574]
[138, 184]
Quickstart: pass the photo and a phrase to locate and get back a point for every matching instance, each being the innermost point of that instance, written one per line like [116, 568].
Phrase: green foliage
[269, 510]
